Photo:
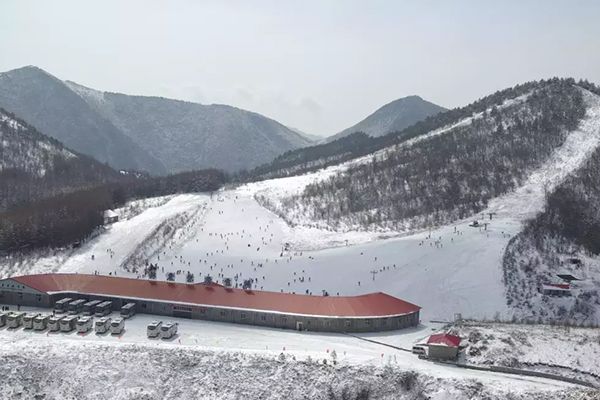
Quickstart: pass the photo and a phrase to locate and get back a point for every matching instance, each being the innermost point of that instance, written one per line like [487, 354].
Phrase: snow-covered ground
[236, 236]
[567, 351]
[216, 360]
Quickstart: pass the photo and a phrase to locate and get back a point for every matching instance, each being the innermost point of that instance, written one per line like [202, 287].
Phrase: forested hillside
[449, 166]
[70, 218]
[46, 102]
[34, 166]
[185, 136]
[300, 161]
[563, 238]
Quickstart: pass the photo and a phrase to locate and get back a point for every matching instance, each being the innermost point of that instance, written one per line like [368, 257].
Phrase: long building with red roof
[364, 313]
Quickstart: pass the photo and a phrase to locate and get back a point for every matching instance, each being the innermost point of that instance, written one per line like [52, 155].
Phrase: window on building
[284, 320]
[263, 317]
[347, 323]
[38, 297]
[367, 322]
[384, 322]
[243, 315]
[202, 311]
[20, 295]
[223, 313]
[399, 320]
[144, 305]
[326, 324]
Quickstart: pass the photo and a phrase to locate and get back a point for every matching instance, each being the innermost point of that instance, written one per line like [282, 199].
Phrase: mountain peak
[394, 116]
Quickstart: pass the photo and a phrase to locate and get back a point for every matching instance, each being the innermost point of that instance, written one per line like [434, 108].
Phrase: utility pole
[374, 273]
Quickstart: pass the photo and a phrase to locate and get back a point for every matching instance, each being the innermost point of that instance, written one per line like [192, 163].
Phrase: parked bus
[40, 322]
[153, 329]
[128, 310]
[54, 323]
[102, 325]
[15, 319]
[168, 330]
[3, 319]
[28, 320]
[84, 324]
[103, 308]
[117, 326]
[67, 324]
[61, 305]
[89, 308]
[76, 306]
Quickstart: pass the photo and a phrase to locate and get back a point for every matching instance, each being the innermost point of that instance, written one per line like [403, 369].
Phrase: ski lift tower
[374, 273]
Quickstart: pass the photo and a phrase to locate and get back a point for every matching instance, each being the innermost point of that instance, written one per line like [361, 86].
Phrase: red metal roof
[559, 285]
[444, 339]
[368, 305]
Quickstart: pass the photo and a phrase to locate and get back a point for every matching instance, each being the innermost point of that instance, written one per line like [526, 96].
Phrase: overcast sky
[320, 66]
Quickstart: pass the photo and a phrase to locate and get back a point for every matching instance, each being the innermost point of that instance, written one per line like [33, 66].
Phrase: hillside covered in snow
[185, 136]
[47, 103]
[450, 172]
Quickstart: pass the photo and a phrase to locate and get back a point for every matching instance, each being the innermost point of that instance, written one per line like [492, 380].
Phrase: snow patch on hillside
[529, 198]
[567, 351]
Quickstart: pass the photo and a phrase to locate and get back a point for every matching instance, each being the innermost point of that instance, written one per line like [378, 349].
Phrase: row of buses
[65, 323]
[98, 308]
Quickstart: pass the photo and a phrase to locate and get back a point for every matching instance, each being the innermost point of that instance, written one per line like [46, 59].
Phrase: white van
[153, 329]
[40, 322]
[67, 324]
[54, 323]
[28, 320]
[84, 324]
[419, 349]
[3, 319]
[117, 326]
[101, 325]
[168, 330]
[15, 319]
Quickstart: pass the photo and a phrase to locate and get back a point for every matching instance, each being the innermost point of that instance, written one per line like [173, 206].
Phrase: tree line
[448, 176]
[300, 161]
[72, 217]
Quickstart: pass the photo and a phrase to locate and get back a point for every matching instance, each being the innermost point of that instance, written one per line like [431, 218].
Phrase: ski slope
[236, 236]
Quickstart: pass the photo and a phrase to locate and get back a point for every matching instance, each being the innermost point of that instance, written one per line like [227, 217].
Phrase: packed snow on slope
[236, 236]
[137, 221]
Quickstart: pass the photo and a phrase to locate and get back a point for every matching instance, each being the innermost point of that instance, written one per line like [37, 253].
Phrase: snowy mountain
[34, 166]
[152, 134]
[448, 168]
[185, 136]
[393, 117]
[47, 103]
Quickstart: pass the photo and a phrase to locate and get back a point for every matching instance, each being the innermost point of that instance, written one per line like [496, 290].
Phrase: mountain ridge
[393, 116]
[148, 133]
